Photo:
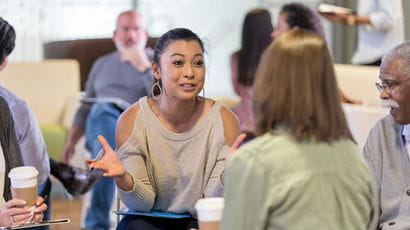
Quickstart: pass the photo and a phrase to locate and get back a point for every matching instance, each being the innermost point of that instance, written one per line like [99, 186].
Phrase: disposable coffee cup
[24, 184]
[209, 211]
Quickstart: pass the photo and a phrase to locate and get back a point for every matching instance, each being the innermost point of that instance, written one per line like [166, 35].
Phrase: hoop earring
[200, 98]
[156, 84]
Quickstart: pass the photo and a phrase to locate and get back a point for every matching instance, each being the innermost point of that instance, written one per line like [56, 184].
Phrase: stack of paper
[331, 9]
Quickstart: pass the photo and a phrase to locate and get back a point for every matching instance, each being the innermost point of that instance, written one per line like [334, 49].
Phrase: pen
[99, 156]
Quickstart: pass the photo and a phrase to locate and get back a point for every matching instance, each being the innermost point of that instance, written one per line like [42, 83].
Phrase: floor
[63, 208]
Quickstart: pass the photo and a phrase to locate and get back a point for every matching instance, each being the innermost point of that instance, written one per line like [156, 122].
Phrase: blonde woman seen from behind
[303, 170]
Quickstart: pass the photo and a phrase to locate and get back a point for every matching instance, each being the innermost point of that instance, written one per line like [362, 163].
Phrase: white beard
[389, 103]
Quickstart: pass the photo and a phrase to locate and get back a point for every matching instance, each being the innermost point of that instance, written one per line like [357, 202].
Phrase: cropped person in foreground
[12, 211]
[388, 145]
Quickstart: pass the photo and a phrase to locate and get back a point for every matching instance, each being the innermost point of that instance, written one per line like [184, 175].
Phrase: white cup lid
[210, 209]
[210, 203]
[23, 172]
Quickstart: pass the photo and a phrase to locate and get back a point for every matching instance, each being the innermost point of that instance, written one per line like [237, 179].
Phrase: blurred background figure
[256, 31]
[299, 15]
[303, 170]
[380, 27]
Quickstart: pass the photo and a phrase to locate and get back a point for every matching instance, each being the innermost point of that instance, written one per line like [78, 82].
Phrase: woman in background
[171, 147]
[256, 31]
[299, 15]
[303, 170]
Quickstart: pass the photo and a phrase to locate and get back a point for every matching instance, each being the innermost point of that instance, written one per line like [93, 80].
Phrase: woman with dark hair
[171, 148]
[256, 31]
[299, 15]
[303, 170]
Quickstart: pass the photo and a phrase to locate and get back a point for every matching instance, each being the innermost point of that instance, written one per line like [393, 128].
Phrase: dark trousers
[101, 121]
[131, 222]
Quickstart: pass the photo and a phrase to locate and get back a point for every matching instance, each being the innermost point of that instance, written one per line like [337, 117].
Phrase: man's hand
[336, 17]
[136, 56]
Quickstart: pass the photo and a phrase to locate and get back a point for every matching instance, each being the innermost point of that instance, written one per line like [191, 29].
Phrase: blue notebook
[152, 214]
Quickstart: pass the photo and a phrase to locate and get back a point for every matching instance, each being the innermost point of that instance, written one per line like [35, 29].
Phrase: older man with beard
[116, 80]
[388, 145]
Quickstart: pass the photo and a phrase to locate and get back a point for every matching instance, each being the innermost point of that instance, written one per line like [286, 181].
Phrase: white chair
[357, 82]
[361, 119]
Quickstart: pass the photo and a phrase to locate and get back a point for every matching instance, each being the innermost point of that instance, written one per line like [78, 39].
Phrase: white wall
[217, 22]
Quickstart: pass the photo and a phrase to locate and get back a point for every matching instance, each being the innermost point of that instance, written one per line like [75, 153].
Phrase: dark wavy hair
[302, 16]
[173, 35]
[7, 39]
[256, 36]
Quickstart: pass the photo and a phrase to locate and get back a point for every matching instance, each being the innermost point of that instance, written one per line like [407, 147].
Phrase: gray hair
[402, 52]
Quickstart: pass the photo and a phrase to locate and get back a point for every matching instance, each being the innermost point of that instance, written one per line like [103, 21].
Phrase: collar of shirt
[406, 133]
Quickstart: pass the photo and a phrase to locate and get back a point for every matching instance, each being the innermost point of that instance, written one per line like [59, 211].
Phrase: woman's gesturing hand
[110, 164]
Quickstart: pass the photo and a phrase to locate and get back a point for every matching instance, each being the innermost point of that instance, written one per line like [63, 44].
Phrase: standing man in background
[380, 28]
[116, 81]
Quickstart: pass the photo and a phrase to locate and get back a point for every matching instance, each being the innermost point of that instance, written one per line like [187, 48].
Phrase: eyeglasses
[389, 86]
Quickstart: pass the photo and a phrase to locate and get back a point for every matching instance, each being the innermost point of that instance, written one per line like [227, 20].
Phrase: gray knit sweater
[171, 171]
[386, 155]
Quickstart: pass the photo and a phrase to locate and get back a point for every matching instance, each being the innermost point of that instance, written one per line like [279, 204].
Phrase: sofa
[52, 89]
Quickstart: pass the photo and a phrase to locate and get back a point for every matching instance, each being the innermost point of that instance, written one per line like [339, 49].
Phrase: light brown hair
[295, 88]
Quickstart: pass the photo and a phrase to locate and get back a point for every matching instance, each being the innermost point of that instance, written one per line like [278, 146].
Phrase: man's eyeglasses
[389, 86]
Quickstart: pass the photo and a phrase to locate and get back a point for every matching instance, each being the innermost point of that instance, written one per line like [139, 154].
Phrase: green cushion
[54, 136]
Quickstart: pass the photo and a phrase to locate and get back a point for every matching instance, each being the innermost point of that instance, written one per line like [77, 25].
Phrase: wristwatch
[351, 20]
